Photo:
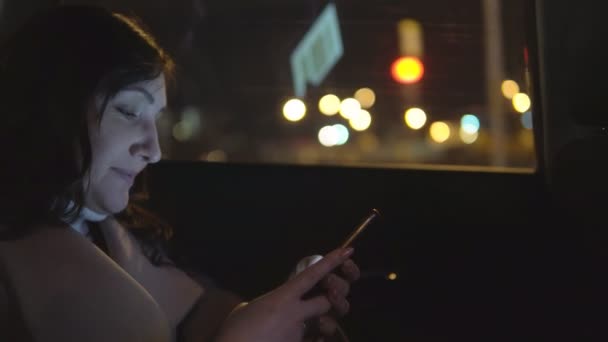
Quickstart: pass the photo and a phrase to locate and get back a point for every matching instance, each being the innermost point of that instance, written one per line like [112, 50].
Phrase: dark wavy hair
[51, 71]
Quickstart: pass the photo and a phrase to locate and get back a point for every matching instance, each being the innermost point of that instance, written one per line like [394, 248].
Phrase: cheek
[106, 150]
[98, 155]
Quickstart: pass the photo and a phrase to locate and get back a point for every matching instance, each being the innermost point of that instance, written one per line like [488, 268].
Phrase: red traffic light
[407, 70]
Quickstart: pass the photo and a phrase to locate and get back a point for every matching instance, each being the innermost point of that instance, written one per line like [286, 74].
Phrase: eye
[127, 113]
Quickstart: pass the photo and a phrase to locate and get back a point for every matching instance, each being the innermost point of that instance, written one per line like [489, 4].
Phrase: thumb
[305, 263]
[308, 278]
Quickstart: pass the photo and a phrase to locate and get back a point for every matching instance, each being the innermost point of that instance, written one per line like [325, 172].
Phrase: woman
[81, 89]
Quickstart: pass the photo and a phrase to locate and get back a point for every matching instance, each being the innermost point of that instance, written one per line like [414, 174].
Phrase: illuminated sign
[317, 52]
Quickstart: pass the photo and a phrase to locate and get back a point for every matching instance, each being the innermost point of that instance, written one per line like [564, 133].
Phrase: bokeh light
[509, 89]
[468, 137]
[361, 121]
[407, 70]
[521, 102]
[440, 132]
[329, 104]
[349, 108]
[415, 118]
[411, 42]
[329, 136]
[366, 97]
[469, 123]
[294, 110]
[216, 156]
[342, 132]
[526, 120]
[182, 131]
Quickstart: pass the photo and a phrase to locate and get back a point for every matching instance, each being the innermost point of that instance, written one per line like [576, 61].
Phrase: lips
[128, 176]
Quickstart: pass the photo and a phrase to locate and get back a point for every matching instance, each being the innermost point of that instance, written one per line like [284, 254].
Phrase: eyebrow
[147, 94]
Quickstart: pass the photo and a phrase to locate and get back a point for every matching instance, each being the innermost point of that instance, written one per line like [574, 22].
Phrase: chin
[114, 205]
[117, 206]
[107, 198]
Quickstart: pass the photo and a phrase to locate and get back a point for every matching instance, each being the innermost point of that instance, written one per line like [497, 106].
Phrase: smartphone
[312, 326]
[360, 228]
[308, 261]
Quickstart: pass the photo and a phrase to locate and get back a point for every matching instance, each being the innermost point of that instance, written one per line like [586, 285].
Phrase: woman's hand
[280, 315]
[336, 286]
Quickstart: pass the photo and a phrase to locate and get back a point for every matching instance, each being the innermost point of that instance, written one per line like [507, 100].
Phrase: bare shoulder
[95, 301]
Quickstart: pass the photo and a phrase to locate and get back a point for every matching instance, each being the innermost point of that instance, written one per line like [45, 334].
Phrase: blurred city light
[440, 131]
[251, 128]
[469, 123]
[349, 108]
[468, 137]
[191, 116]
[189, 126]
[392, 276]
[509, 89]
[521, 102]
[361, 121]
[366, 97]
[329, 136]
[329, 104]
[217, 156]
[294, 110]
[182, 131]
[407, 70]
[342, 134]
[415, 118]
[526, 120]
[410, 37]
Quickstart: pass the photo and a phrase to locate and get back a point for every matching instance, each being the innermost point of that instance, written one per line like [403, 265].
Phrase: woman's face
[123, 143]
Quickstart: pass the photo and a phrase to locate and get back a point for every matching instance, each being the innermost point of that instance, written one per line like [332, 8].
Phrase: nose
[148, 148]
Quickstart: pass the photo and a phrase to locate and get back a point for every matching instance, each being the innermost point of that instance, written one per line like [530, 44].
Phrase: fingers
[324, 327]
[334, 299]
[327, 326]
[350, 270]
[315, 307]
[339, 303]
[334, 283]
[308, 278]
[338, 287]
